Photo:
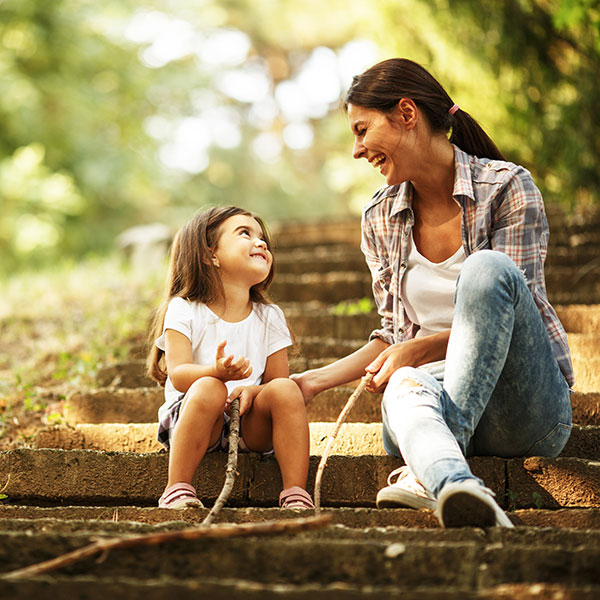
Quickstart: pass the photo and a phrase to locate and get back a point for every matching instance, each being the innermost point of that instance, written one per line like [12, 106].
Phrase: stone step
[353, 439]
[337, 286]
[332, 555]
[320, 259]
[65, 518]
[322, 287]
[579, 318]
[328, 557]
[100, 588]
[306, 235]
[346, 257]
[91, 477]
[140, 405]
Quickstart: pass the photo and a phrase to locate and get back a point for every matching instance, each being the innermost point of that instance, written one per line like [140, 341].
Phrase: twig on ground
[364, 382]
[232, 459]
[102, 547]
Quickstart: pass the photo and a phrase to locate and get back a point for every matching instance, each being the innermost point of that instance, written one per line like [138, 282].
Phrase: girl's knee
[207, 392]
[282, 391]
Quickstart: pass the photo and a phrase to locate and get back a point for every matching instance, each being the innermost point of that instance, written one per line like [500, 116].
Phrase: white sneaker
[469, 504]
[406, 491]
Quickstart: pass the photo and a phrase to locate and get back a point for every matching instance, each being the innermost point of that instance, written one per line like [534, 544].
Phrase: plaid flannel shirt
[502, 209]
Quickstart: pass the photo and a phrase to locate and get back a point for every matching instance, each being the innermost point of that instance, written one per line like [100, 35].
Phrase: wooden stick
[102, 547]
[364, 382]
[232, 459]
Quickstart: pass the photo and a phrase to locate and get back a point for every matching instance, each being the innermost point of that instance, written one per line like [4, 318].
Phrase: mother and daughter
[471, 357]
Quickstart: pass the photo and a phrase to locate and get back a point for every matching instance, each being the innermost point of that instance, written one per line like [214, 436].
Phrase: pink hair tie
[453, 109]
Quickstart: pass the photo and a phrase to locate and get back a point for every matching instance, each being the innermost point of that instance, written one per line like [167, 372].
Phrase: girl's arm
[183, 371]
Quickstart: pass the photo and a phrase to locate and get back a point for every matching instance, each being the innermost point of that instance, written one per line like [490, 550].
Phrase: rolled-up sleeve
[381, 282]
[520, 227]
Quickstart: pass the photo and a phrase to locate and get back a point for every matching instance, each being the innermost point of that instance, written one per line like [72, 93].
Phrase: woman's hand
[228, 369]
[411, 353]
[390, 360]
[246, 394]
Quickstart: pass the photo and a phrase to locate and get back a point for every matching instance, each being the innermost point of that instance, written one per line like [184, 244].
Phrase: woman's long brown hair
[382, 86]
[193, 276]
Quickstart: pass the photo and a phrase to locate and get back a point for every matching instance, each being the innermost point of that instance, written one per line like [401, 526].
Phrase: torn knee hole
[409, 384]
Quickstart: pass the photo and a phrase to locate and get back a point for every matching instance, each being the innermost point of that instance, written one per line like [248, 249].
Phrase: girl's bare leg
[278, 420]
[199, 426]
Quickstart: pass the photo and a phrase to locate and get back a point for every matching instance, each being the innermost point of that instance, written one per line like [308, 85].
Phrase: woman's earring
[216, 262]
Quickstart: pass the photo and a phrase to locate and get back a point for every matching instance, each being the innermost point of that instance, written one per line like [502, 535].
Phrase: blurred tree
[545, 55]
[127, 111]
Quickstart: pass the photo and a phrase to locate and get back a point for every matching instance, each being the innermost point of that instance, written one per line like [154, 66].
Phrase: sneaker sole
[394, 498]
[462, 509]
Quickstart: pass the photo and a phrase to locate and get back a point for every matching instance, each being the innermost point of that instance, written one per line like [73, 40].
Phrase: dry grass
[57, 327]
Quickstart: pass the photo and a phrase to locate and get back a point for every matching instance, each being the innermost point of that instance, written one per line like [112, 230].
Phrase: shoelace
[410, 482]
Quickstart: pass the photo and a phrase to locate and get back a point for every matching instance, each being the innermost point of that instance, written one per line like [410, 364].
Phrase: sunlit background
[120, 113]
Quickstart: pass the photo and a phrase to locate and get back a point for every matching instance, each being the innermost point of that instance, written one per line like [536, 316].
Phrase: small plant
[363, 306]
[510, 498]
[54, 418]
[537, 498]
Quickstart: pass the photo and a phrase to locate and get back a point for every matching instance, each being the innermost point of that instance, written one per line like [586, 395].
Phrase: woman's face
[382, 140]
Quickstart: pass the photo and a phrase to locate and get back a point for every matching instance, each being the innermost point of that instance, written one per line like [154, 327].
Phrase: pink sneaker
[295, 498]
[180, 495]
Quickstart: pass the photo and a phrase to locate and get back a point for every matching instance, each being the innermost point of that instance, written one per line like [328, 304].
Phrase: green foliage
[364, 306]
[130, 111]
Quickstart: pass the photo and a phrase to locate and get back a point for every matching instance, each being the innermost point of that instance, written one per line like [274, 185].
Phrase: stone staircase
[101, 475]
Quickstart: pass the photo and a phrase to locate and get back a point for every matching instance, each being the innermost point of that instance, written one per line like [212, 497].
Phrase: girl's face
[382, 141]
[242, 255]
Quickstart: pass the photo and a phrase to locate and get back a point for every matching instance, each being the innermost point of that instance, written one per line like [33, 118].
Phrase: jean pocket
[552, 444]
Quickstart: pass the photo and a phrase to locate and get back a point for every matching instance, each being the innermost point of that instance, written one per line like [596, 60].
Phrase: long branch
[232, 459]
[153, 539]
[340, 420]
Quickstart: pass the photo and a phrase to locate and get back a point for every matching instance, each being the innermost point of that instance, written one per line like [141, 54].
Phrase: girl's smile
[242, 253]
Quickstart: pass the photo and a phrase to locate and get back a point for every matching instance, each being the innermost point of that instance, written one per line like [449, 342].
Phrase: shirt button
[403, 265]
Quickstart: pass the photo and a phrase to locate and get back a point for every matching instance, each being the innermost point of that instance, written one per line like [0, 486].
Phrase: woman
[471, 355]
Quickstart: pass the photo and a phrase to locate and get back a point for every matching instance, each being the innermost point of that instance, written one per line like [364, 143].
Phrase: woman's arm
[183, 371]
[341, 371]
[412, 353]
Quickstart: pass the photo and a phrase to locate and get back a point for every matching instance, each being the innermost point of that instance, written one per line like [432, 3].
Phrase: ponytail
[382, 86]
[469, 136]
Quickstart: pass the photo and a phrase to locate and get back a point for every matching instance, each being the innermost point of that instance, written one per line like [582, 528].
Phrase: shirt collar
[463, 185]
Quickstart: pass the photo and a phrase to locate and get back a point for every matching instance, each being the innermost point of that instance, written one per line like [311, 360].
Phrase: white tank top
[428, 290]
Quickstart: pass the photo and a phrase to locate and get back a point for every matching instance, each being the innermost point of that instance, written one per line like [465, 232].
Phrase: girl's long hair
[193, 276]
[382, 86]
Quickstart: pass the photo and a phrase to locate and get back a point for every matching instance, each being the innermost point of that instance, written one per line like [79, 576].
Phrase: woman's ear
[408, 112]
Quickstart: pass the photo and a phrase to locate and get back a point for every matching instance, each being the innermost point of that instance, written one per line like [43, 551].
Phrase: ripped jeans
[499, 392]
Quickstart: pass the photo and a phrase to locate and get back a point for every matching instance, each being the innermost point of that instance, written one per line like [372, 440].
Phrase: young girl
[217, 338]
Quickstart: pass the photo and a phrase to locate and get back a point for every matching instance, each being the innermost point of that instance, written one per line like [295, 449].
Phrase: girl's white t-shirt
[263, 332]
[428, 290]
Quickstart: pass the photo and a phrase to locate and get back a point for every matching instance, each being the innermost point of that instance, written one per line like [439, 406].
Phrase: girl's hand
[228, 369]
[246, 394]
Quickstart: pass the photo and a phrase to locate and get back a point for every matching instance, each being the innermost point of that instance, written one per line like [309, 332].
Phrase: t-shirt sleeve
[278, 334]
[179, 318]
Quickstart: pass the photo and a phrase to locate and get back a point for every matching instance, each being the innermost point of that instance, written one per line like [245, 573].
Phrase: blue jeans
[499, 392]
